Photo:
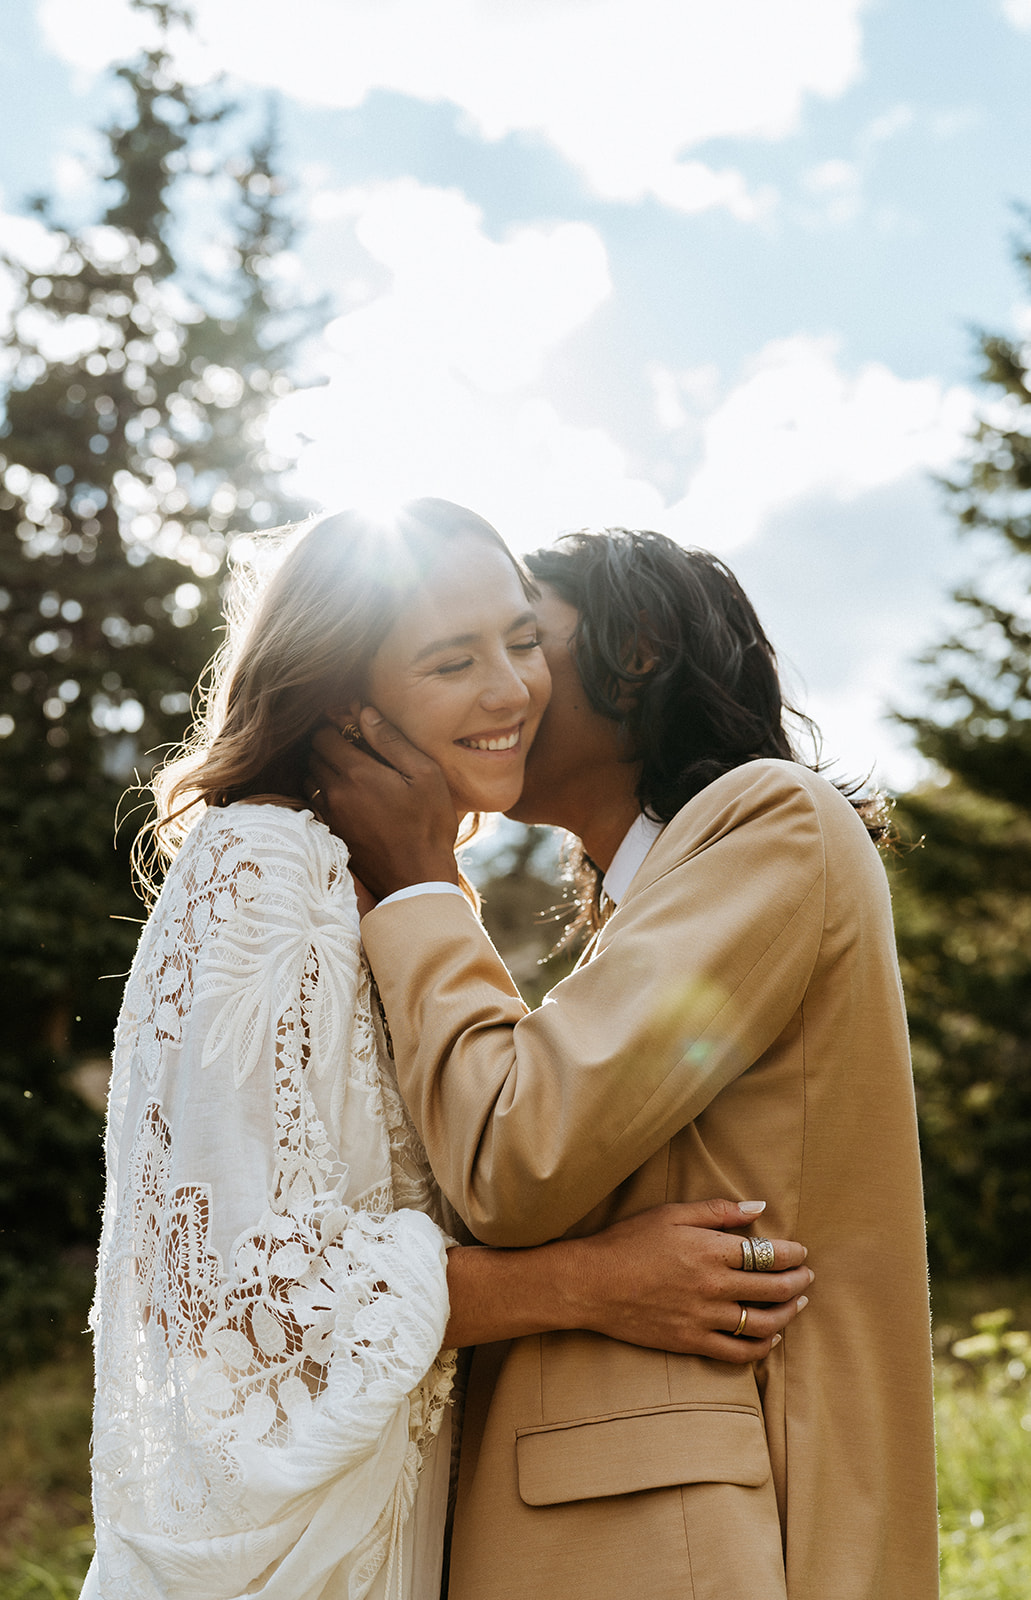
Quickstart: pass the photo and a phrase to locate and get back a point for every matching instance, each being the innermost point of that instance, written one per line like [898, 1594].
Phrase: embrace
[340, 1148]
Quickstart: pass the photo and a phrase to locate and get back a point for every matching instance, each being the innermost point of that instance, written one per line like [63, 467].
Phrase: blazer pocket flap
[631, 1450]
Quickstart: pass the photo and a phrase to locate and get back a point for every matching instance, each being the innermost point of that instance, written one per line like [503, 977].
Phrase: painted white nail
[752, 1207]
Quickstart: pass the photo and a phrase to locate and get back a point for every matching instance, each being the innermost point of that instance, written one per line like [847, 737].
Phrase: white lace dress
[271, 1290]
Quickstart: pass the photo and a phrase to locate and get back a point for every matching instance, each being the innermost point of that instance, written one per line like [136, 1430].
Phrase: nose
[505, 688]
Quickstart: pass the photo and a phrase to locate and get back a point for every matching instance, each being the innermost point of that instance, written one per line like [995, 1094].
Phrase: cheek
[538, 683]
[429, 718]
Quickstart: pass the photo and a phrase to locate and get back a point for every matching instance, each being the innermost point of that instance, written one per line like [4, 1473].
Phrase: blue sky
[707, 269]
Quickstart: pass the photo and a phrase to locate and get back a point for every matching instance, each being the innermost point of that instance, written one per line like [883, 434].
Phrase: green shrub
[984, 1462]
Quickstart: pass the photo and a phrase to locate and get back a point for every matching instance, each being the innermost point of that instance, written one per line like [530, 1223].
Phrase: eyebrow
[460, 641]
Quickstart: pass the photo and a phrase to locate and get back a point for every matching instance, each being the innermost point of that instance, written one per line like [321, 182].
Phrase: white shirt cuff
[420, 888]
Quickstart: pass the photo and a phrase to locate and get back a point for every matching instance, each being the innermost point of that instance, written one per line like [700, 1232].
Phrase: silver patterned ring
[763, 1254]
[739, 1330]
[747, 1255]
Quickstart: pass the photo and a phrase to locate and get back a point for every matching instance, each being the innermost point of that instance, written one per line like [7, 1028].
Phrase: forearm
[505, 1294]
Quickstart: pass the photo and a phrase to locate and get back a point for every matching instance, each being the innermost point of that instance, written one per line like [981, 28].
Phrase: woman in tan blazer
[736, 1026]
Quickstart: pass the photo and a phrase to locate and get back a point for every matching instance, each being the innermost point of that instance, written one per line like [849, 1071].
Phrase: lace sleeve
[267, 1324]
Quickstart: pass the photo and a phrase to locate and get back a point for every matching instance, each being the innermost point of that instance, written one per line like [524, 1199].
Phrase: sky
[710, 269]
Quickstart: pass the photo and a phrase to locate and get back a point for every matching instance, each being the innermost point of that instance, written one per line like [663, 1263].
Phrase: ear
[344, 711]
[643, 658]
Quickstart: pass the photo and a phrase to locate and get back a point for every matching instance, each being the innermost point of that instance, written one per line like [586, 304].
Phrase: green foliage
[984, 1462]
[963, 914]
[47, 1537]
[962, 897]
[131, 441]
[48, 1217]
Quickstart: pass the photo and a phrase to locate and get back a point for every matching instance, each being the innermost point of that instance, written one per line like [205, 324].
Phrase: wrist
[388, 878]
[432, 868]
[575, 1290]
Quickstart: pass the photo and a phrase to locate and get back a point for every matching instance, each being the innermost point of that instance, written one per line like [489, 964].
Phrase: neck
[598, 810]
[602, 834]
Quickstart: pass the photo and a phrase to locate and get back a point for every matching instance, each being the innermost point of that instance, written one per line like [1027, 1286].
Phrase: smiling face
[462, 675]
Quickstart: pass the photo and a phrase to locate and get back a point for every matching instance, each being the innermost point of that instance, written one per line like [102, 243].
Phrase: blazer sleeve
[531, 1118]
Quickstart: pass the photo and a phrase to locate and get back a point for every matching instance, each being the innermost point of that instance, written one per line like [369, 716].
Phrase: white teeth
[509, 742]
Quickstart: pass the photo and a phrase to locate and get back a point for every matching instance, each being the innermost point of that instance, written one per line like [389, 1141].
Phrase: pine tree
[131, 443]
[963, 897]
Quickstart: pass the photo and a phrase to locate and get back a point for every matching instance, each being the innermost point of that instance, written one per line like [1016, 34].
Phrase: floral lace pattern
[271, 1292]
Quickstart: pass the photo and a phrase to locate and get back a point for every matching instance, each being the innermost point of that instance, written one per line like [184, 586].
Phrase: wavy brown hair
[299, 643]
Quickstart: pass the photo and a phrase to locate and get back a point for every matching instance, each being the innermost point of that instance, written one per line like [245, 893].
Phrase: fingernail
[803, 1301]
[752, 1207]
[812, 1274]
[372, 718]
[777, 1337]
[805, 1252]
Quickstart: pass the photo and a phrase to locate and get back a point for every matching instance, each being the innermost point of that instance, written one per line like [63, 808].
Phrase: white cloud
[831, 177]
[797, 425]
[436, 384]
[622, 88]
[1018, 12]
[682, 398]
[439, 381]
[888, 126]
[837, 186]
[489, 311]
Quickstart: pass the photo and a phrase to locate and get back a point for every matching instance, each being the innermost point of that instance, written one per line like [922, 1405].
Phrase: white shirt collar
[637, 841]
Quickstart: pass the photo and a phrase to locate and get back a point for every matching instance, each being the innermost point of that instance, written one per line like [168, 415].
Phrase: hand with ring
[387, 800]
[672, 1279]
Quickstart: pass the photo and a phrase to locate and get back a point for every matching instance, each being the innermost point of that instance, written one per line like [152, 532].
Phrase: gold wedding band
[351, 732]
[762, 1254]
[739, 1330]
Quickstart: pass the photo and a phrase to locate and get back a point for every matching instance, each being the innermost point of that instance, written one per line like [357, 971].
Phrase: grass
[984, 1469]
[983, 1387]
[47, 1538]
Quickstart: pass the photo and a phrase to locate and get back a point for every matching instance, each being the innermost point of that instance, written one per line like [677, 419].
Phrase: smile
[496, 741]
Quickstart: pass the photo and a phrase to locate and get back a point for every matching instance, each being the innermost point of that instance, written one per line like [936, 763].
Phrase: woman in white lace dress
[276, 1294]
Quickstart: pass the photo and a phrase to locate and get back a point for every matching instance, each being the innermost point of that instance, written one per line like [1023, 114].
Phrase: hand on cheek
[388, 802]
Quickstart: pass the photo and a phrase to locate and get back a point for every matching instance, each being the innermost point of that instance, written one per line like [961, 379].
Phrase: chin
[495, 800]
[521, 807]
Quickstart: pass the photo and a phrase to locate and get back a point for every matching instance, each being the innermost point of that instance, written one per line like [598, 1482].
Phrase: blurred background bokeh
[758, 276]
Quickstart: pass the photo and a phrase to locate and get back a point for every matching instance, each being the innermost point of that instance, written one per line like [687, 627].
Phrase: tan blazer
[737, 1030]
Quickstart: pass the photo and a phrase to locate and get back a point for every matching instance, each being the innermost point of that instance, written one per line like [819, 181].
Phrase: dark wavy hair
[668, 645]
